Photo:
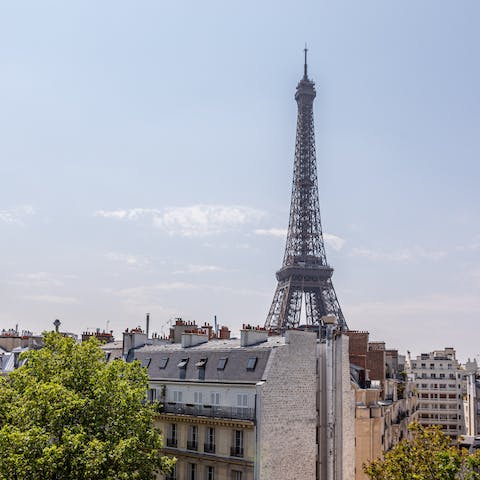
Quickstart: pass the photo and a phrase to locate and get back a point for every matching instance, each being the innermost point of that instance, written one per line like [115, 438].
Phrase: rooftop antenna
[305, 64]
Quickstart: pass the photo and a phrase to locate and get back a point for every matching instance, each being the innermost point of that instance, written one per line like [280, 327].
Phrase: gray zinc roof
[163, 361]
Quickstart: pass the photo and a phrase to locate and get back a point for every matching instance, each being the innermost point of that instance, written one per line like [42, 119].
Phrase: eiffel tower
[305, 274]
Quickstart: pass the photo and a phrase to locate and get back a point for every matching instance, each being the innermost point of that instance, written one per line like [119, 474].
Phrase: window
[423, 365]
[152, 395]
[201, 363]
[192, 443]
[236, 475]
[172, 435]
[252, 361]
[210, 436]
[433, 375]
[242, 400]
[197, 397]
[163, 363]
[183, 368]
[221, 363]
[146, 362]
[183, 364]
[237, 448]
[177, 396]
[210, 473]
[442, 375]
[209, 445]
[215, 398]
[201, 368]
[192, 471]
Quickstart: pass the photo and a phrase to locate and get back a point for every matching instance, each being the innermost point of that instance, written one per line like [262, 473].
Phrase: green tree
[68, 414]
[428, 455]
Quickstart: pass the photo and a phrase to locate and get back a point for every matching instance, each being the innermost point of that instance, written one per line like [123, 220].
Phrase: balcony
[236, 451]
[209, 447]
[209, 411]
[172, 442]
[191, 445]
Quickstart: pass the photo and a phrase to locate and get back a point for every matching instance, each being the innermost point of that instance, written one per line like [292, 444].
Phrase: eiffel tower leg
[294, 305]
[277, 307]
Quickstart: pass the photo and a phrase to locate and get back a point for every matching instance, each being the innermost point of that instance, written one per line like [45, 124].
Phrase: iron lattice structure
[305, 273]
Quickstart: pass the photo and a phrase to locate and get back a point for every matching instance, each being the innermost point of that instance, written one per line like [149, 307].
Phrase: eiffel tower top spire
[305, 74]
[305, 274]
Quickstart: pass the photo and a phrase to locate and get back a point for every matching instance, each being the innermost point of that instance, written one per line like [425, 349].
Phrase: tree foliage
[68, 414]
[428, 455]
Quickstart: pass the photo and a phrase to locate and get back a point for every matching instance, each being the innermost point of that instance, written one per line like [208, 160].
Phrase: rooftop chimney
[192, 339]
[252, 336]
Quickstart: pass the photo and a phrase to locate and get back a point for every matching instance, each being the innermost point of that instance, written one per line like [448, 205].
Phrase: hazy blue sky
[146, 159]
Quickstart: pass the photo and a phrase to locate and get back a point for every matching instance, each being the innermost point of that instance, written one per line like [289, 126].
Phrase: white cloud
[192, 221]
[202, 220]
[128, 259]
[51, 299]
[127, 214]
[272, 232]
[334, 241]
[199, 269]
[38, 280]
[404, 255]
[16, 215]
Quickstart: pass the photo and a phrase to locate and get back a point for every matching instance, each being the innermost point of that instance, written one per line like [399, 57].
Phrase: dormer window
[163, 363]
[201, 363]
[146, 362]
[183, 363]
[221, 363]
[251, 363]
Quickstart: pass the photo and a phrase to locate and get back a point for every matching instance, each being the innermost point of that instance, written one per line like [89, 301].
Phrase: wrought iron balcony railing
[172, 442]
[192, 445]
[236, 451]
[208, 411]
[209, 447]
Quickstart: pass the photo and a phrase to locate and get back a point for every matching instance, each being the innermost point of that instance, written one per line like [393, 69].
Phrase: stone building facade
[386, 401]
[258, 407]
[441, 386]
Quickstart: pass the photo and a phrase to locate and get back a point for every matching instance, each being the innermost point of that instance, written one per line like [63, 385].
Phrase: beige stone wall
[221, 460]
[368, 432]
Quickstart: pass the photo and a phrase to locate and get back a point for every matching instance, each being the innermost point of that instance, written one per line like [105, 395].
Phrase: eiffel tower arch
[305, 276]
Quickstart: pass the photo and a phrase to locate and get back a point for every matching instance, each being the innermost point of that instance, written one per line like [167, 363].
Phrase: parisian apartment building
[441, 382]
[260, 406]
